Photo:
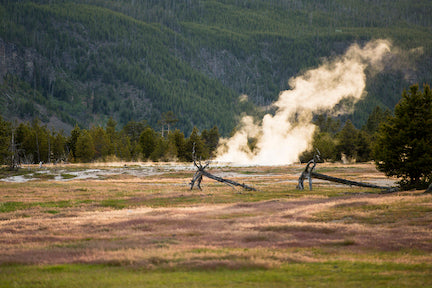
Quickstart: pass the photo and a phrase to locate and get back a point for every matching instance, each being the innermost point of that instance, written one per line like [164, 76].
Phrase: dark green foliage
[5, 140]
[58, 145]
[377, 116]
[326, 144]
[334, 142]
[85, 150]
[404, 144]
[148, 141]
[88, 60]
[196, 142]
[84, 61]
[101, 142]
[349, 140]
[72, 142]
[133, 130]
[178, 139]
[34, 143]
[211, 139]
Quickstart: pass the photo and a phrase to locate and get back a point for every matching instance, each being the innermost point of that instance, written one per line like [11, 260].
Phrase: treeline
[137, 141]
[32, 142]
[344, 142]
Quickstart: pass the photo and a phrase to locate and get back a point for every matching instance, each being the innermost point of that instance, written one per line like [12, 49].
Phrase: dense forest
[34, 142]
[81, 63]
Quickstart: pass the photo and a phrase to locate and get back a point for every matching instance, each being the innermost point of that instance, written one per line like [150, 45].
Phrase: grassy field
[141, 226]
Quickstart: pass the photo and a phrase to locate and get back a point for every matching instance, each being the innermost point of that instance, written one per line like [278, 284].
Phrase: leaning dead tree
[429, 189]
[308, 173]
[197, 178]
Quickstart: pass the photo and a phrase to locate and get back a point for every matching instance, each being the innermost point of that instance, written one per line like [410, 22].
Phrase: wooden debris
[429, 189]
[309, 173]
[201, 172]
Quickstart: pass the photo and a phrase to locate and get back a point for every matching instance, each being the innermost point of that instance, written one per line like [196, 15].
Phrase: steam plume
[282, 137]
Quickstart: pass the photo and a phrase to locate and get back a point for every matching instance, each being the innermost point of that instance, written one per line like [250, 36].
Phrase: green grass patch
[328, 274]
[412, 211]
[67, 176]
[7, 172]
[6, 207]
[52, 212]
[115, 203]
[42, 176]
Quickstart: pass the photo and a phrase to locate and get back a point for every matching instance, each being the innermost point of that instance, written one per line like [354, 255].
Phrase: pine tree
[211, 139]
[148, 142]
[5, 140]
[85, 150]
[72, 142]
[101, 142]
[404, 143]
[178, 138]
[347, 140]
[201, 150]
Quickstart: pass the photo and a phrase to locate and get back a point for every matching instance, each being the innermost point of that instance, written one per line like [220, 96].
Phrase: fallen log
[347, 182]
[201, 172]
[227, 181]
[308, 173]
[342, 181]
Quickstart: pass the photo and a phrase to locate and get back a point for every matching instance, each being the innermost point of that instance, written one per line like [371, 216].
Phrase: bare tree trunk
[345, 181]
[227, 181]
[429, 189]
[308, 173]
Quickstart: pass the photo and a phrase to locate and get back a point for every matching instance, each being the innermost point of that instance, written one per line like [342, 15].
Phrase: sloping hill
[84, 61]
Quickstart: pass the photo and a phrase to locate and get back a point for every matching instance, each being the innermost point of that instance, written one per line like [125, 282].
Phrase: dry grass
[157, 221]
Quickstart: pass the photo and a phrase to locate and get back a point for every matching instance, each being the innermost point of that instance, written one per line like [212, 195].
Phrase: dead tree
[309, 173]
[201, 172]
[429, 189]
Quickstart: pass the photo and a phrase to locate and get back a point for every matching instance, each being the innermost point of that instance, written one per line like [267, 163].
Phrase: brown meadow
[156, 221]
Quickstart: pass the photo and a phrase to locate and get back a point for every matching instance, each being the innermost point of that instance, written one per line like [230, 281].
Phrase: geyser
[282, 137]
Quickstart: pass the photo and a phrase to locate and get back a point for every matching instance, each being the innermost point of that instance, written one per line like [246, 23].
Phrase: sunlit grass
[411, 210]
[146, 231]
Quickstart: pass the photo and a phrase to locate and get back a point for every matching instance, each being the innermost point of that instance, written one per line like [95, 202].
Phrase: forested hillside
[83, 61]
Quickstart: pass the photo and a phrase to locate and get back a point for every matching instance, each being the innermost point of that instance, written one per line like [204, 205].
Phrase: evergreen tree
[211, 139]
[123, 147]
[377, 116]
[112, 136]
[404, 144]
[58, 146]
[347, 138]
[134, 129]
[5, 140]
[168, 119]
[178, 138]
[85, 150]
[42, 141]
[201, 150]
[148, 142]
[72, 142]
[25, 143]
[363, 147]
[101, 142]
[326, 144]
